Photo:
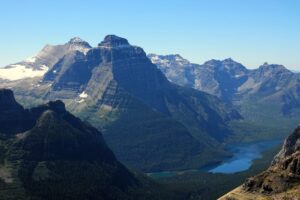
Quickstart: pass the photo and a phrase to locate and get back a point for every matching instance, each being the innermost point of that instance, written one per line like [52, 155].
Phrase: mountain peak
[229, 60]
[212, 62]
[57, 105]
[7, 100]
[112, 41]
[266, 63]
[76, 40]
[272, 67]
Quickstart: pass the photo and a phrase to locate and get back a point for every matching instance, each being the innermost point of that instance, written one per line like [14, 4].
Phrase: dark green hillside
[61, 157]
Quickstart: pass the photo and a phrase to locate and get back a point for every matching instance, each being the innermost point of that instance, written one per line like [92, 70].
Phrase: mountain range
[149, 123]
[231, 81]
[156, 113]
[266, 97]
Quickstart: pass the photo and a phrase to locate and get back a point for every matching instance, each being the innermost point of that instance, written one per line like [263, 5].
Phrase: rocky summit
[113, 41]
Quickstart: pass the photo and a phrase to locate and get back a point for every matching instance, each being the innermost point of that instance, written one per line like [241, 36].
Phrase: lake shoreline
[241, 160]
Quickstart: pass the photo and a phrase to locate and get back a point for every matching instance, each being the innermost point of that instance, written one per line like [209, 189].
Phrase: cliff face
[281, 180]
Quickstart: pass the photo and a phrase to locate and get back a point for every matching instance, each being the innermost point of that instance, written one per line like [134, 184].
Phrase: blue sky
[249, 31]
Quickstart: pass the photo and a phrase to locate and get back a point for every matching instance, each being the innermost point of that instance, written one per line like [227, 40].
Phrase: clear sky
[249, 31]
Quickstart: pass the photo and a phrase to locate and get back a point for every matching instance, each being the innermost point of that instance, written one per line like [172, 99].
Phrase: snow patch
[106, 107]
[83, 95]
[197, 83]
[17, 72]
[154, 58]
[82, 49]
[76, 39]
[80, 101]
[31, 59]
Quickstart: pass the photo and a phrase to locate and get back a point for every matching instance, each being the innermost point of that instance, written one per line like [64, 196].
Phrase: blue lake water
[243, 156]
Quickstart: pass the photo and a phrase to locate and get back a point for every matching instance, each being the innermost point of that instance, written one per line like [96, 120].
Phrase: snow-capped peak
[76, 40]
[168, 60]
[77, 44]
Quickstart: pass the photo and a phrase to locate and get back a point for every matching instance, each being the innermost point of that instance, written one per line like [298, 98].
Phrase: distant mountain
[39, 64]
[57, 156]
[220, 78]
[150, 123]
[280, 181]
[233, 82]
[177, 69]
